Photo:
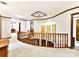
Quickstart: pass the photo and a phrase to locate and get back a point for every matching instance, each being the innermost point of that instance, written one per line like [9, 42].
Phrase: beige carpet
[20, 49]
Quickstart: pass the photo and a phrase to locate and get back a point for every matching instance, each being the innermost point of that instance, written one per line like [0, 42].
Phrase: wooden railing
[59, 40]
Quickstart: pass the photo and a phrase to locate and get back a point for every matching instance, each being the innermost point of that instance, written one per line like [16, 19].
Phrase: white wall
[6, 27]
[25, 25]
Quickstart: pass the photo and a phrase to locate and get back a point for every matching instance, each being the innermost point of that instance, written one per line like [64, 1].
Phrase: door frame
[71, 36]
[77, 22]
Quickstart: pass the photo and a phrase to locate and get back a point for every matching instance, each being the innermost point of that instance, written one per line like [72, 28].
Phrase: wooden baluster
[50, 37]
[39, 35]
[36, 35]
[67, 40]
[62, 41]
[55, 40]
[46, 40]
[58, 40]
[41, 40]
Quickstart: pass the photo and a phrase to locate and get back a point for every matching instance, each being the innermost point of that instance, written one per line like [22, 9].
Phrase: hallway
[45, 23]
[19, 49]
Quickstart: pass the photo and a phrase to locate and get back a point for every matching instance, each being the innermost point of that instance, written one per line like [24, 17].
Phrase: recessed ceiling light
[19, 16]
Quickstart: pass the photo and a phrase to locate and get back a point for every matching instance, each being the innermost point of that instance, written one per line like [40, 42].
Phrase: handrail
[50, 33]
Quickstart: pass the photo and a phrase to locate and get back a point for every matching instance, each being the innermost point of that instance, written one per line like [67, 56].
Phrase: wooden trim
[45, 33]
[71, 26]
[5, 17]
[75, 13]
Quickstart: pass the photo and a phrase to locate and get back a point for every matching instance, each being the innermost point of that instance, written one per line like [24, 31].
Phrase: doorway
[77, 30]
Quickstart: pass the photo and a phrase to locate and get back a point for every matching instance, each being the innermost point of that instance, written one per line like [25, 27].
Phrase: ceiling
[26, 8]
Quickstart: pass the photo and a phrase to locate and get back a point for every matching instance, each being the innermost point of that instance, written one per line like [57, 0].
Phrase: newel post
[72, 42]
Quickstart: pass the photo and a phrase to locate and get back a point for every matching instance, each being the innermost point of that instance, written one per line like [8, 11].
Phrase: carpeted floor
[19, 49]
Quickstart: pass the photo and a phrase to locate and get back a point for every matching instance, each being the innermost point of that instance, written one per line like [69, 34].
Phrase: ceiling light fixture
[38, 14]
